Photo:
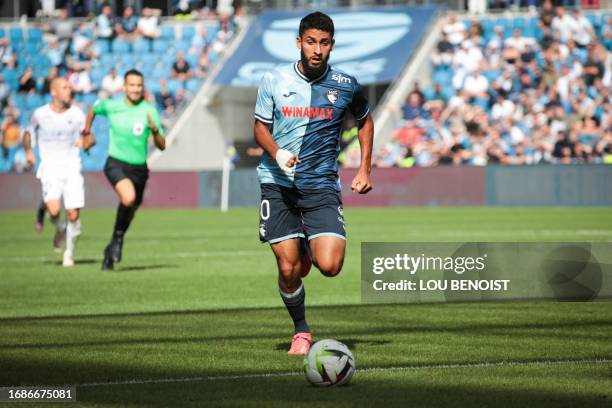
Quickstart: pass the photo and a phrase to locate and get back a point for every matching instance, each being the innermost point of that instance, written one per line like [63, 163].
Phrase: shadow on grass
[406, 389]
[362, 392]
[139, 268]
[502, 330]
[89, 261]
[351, 343]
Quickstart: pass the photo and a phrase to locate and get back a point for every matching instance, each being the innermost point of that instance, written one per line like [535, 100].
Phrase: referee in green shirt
[132, 120]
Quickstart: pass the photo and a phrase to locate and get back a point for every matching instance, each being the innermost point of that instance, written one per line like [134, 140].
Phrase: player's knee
[72, 215]
[330, 267]
[289, 271]
[128, 199]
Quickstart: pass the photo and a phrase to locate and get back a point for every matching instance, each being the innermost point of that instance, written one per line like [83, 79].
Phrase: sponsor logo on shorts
[262, 230]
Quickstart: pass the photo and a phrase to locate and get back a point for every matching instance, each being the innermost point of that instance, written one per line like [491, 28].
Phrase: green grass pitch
[192, 317]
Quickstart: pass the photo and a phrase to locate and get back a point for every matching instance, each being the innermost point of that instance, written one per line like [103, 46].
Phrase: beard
[312, 72]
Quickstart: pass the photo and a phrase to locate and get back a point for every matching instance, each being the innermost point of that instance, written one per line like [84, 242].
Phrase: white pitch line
[368, 369]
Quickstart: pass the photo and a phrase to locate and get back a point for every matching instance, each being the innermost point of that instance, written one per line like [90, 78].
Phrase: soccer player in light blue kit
[298, 120]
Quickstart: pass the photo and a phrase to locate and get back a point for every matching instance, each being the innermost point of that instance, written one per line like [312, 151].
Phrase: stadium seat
[182, 46]
[19, 100]
[35, 34]
[11, 76]
[167, 33]
[40, 71]
[192, 59]
[107, 59]
[161, 46]
[121, 46]
[34, 101]
[213, 57]
[97, 74]
[127, 60]
[212, 32]
[168, 59]
[89, 98]
[2, 33]
[519, 22]
[193, 85]
[153, 86]
[16, 35]
[141, 46]
[161, 72]
[174, 85]
[428, 92]
[149, 59]
[32, 48]
[187, 32]
[103, 46]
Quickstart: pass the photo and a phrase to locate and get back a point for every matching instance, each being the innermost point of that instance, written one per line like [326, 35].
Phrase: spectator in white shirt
[562, 25]
[519, 42]
[148, 23]
[455, 30]
[112, 84]
[582, 30]
[476, 85]
[503, 108]
[80, 82]
[104, 23]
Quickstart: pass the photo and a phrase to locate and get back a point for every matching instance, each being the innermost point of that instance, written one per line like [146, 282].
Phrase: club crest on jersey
[138, 128]
[332, 95]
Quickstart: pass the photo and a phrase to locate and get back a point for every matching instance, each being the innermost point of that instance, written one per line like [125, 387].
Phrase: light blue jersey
[307, 117]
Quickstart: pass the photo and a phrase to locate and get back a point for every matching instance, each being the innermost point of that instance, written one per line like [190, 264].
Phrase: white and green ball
[329, 362]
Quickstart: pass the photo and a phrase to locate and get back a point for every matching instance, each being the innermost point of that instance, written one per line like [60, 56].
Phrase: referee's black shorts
[117, 170]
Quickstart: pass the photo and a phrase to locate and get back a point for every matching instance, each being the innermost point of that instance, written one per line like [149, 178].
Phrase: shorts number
[264, 210]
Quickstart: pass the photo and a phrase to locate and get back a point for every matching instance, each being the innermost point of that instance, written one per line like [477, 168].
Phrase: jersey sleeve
[359, 105]
[101, 107]
[264, 108]
[33, 128]
[157, 121]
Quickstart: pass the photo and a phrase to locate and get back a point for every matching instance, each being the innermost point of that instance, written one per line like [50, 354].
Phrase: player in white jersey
[57, 129]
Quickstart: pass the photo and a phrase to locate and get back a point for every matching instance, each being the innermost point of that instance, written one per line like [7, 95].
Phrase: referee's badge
[332, 95]
[138, 128]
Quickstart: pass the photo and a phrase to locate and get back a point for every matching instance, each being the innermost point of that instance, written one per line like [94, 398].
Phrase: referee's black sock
[295, 303]
[123, 220]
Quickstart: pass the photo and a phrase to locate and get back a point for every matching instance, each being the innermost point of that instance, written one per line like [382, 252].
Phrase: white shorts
[67, 184]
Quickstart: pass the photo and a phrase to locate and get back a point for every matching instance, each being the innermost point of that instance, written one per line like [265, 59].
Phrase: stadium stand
[510, 90]
[86, 54]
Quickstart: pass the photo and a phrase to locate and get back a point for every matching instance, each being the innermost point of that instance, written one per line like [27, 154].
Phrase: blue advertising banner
[372, 44]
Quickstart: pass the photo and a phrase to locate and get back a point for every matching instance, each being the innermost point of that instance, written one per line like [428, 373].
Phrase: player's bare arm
[285, 159]
[27, 146]
[361, 183]
[158, 139]
[89, 121]
[86, 141]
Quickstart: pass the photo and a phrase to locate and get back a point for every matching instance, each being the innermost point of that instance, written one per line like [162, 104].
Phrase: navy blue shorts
[287, 213]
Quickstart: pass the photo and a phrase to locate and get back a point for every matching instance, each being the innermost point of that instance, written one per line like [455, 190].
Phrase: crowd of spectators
[524, 92]
[93, 56]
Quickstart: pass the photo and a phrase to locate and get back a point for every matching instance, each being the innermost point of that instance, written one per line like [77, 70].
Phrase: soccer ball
[329, 362]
